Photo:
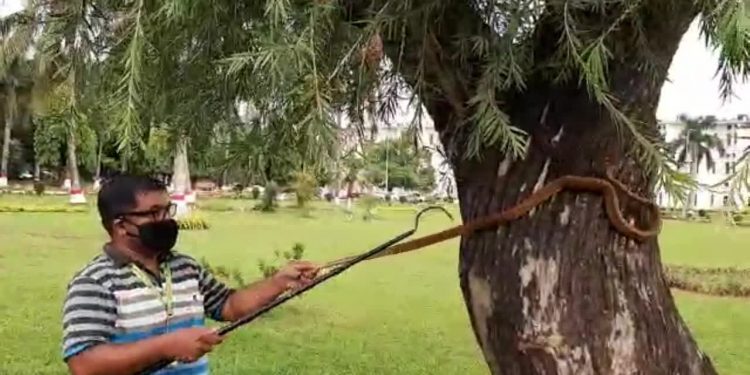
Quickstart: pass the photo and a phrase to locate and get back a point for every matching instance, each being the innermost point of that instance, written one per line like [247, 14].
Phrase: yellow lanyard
[166, 295]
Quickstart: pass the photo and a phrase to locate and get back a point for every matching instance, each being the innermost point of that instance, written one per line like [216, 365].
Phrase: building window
[432, 139]
[712, 200]
[726, 168]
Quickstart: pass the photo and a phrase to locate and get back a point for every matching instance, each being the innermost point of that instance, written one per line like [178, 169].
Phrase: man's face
[150, 206]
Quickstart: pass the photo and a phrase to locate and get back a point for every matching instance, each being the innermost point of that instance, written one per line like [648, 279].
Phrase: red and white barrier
[77, 196]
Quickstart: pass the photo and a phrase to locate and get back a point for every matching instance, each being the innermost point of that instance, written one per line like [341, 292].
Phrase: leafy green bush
[304, 187]
[268, 269]
[255, 193]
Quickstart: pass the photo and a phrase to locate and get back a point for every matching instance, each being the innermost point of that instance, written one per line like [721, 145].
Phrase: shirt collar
[120, 259]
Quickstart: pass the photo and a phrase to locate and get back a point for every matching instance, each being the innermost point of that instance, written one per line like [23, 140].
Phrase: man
[140, 302]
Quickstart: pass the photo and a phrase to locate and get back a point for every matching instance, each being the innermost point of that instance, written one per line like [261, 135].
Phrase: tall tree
[695, 145]
[16, 37]
[521, 92]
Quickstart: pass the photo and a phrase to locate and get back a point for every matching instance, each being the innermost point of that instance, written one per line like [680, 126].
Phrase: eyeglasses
[156, 214]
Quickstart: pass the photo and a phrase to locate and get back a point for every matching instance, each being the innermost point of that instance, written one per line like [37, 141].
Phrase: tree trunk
[181, 178]
[10, 118]
[76, 193]
[558, 291]
[75, 178]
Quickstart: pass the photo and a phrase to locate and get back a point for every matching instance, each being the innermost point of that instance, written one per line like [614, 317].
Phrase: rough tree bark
[559, 291]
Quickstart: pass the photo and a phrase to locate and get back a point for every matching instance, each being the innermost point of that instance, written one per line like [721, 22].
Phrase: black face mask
[158, 236]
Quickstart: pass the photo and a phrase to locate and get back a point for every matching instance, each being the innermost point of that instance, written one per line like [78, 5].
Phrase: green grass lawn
[391, 316]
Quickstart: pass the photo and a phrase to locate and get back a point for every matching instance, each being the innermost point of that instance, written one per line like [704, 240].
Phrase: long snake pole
[279, 301]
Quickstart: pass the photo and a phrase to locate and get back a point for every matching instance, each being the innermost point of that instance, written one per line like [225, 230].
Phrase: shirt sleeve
[89, 315]
[215, 294]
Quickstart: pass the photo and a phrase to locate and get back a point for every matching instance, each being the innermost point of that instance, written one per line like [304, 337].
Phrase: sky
[692, 87]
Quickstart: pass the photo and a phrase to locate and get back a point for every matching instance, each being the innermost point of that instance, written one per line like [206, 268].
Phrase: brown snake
[607, 187]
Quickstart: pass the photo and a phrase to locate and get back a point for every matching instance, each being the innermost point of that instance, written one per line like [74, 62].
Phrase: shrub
[255, 193]
[237, 190]
[714, 281]
[39, 188]
[45, 209]
[304, 187]
[737, 218]
[193, 221]
[402, 199]
[448, 199]
[702, 213]
[329, 197]
[388, 198]
[368, 203]
[268, 202]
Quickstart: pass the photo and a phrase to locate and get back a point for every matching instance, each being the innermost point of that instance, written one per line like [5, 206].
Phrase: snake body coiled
[606, 187]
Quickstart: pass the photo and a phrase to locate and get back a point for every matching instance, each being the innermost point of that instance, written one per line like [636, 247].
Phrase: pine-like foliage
[184, 64]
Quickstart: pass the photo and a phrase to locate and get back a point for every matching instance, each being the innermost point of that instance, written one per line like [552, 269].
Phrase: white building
[735, 136]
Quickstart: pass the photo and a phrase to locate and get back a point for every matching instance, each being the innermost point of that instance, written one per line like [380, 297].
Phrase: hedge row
[732, 282]
[44, 209]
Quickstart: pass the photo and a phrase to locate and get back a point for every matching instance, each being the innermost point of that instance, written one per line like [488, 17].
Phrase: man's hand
[295, 275]
[189, 345]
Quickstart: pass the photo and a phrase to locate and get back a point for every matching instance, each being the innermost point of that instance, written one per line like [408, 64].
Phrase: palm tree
[694, 146]
[16, 36]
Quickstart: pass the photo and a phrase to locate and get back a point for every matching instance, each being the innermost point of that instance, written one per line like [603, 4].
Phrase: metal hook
[427, 209]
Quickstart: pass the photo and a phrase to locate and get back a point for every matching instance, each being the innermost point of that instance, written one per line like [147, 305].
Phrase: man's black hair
[118, 195]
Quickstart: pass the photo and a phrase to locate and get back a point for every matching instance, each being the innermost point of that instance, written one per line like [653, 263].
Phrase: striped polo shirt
[107, 303]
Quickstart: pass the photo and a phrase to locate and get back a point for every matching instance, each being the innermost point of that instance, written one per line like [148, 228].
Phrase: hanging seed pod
[372, 53]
